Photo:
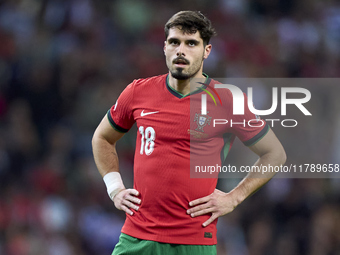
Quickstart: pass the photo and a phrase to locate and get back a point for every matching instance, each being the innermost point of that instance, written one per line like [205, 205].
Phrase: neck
[183, 86]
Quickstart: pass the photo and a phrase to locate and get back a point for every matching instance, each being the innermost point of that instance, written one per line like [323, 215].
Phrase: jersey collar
[180, 95]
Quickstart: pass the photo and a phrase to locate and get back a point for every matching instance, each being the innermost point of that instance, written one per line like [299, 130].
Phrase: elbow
[100, 139]
[95, 138]
[93, 141]
[282, 157]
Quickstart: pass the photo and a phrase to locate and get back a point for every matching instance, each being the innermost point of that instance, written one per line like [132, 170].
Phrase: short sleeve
[249, 128]
[120, 114]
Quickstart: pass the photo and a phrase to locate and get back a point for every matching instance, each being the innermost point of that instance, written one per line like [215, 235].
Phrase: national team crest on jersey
[202, 121]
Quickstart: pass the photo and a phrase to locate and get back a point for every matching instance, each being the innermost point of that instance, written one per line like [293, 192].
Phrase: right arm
[105, 155]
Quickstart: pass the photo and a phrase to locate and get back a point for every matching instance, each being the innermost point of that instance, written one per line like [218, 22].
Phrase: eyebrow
[172, 39]
[193, 41]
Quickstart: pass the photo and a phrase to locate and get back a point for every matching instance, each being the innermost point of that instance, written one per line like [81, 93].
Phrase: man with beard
[167, 212]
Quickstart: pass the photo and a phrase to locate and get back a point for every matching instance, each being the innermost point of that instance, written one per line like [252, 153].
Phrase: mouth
[181, 62]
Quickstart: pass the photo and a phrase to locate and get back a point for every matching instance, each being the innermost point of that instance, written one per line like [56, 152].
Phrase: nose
[180, 50]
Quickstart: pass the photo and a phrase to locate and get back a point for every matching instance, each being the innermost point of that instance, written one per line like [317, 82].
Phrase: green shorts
[129, 245]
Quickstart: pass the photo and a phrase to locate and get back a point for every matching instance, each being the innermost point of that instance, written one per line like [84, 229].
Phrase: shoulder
[222, 92]
[143, 84]
[143, 87]
[155, 80]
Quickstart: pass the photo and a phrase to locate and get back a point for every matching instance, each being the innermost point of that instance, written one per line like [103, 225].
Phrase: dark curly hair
[191, 22]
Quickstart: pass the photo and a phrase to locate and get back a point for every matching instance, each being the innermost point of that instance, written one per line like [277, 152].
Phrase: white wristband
[114, 183]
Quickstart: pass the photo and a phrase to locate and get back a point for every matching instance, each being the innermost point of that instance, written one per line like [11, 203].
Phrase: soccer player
[167, 212]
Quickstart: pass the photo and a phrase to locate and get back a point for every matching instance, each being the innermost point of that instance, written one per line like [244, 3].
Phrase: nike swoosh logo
[146, 113]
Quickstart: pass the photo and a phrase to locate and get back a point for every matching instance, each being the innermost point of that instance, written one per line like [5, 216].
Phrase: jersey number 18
[147, 140]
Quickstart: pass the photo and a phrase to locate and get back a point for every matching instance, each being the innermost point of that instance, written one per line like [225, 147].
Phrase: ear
[207, 51]
[164, 48]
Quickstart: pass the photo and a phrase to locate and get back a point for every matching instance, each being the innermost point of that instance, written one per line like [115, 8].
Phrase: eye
[192, 43]
[173, 42]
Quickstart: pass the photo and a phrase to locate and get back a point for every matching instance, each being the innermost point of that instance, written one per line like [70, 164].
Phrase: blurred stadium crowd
[63, 63]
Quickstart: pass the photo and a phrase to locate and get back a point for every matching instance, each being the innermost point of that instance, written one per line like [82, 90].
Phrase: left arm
[270, 152]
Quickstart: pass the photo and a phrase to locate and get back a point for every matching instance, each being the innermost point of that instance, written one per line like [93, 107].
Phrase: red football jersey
[162, 160]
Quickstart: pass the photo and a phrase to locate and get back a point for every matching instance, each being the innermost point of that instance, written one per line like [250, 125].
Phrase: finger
[199, 201]
[202, 212]
[127, 210]
[198, 208]
[133, 192]
[210, 220]
[130, 205]
[133, 199]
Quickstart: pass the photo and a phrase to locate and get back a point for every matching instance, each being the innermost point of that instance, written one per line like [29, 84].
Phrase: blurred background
[63, 64]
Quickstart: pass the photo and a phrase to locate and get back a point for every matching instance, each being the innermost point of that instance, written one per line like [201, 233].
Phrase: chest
[165, 119]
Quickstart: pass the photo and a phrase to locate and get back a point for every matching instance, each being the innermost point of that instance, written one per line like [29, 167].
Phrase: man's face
[185, 53]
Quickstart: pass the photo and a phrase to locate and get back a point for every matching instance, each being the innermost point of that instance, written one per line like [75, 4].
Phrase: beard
[180, 75]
